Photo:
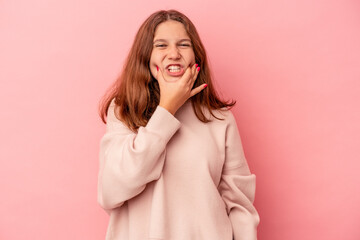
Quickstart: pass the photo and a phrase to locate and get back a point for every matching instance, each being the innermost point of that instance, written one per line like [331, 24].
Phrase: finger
[194, 77]
[197, 70]
[159, 75]
[193, 73]
[193, 69]
[187, 75]
[197, 90]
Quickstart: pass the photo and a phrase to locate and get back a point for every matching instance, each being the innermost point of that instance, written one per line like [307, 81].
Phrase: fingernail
[205, 85]
[196, 65]
[198, 69]
[157, 68]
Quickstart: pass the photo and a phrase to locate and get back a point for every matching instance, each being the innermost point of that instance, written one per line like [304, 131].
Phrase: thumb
[198, 89]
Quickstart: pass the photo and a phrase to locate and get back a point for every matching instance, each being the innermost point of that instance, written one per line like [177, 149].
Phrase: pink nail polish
[198, 69]
[157, 68]
[196, 65]
[205, 85]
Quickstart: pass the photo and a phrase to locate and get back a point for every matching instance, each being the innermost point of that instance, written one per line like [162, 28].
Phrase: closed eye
[164, 45]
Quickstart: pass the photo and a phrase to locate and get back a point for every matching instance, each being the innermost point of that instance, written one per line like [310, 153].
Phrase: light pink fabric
[176, 179]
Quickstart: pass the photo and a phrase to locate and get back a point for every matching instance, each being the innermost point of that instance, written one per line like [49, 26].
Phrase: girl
[172, 166]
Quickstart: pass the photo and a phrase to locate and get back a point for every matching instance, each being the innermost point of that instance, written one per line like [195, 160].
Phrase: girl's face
[172, 50]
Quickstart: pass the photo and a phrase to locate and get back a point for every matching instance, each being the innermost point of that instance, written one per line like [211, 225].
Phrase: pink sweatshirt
[176, 179]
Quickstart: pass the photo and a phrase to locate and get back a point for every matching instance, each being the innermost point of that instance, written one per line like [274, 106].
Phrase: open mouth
[175, 70]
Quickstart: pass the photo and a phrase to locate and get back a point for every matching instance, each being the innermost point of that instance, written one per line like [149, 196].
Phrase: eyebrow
[164, 40]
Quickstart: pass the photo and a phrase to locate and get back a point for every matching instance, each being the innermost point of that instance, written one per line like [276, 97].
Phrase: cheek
[154, 60]
[152, 67]
[153, 70]
[152, 64]
[190, 57]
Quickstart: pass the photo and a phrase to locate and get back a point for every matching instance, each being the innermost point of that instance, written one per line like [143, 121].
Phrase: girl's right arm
[129, 161]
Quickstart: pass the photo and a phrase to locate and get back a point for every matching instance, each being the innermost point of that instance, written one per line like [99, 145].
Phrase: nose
[174, 53]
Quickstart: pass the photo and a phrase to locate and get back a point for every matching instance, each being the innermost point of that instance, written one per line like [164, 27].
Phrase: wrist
[168, 108]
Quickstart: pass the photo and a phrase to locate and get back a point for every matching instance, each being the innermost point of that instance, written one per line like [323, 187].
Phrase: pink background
[292, 66]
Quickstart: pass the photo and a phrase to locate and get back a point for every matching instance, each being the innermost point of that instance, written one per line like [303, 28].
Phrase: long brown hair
[136, 91]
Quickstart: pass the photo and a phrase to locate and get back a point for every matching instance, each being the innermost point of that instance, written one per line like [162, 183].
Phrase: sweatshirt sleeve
[237, 186]
[128, 160]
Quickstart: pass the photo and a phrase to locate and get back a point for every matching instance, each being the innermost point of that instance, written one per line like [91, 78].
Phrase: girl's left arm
[237, 186]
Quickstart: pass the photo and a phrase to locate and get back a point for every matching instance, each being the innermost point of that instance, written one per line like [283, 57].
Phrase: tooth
[174, 67]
